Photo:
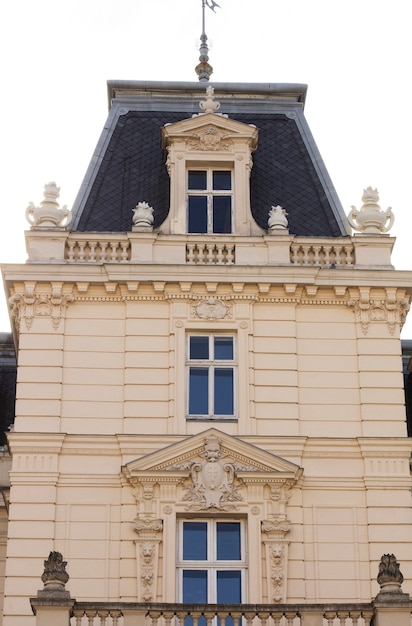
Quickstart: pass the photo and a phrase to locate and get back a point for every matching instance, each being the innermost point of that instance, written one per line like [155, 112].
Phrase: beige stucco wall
[106, 386]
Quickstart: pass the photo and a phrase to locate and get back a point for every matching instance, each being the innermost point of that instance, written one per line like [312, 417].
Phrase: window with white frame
[209, 200]
[212, 561]
[211, 367]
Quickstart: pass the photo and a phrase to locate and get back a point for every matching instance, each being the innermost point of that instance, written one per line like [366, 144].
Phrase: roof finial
[204, 70]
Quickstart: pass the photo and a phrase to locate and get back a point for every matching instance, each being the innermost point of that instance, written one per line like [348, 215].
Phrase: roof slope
[129, 164]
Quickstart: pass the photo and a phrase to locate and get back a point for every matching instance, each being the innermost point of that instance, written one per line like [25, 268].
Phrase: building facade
[209, 403]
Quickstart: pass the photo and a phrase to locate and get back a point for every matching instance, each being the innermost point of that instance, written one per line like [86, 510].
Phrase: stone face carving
[370, 219]
[49, 214]
[212, 481]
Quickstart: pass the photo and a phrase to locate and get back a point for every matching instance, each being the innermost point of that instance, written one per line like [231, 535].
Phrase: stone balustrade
[358, 251]
[131, 614]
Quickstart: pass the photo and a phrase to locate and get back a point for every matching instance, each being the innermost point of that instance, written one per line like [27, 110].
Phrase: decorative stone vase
[55, 576]
[142, 216]
[48, 214]
[277, 219]
[370, 219]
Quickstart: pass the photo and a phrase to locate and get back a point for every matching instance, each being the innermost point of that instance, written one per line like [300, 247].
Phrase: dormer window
[209, 158]
[209, 201]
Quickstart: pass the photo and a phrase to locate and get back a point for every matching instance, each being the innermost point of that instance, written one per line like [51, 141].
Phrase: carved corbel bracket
[391, 309]
[276, 553]
[149, 532]
[31, 303]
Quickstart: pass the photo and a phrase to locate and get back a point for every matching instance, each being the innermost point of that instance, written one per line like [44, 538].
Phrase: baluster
[154, 615]
[209, 617]
[219, 256]
[223, 615]
[91, 614]
[190, 253]
[103, 248]
[125, 250]
[103, 615]
[113, 255]
[70, 251]
[210, 253]
[168, 616]
[277, 616]
[263, 617]
[116, 615]
[78, 615]
[249, 617]
[82, 245]
[355, 615]
[327, 250]
[195, 617]
[316, 255]
[330, 616]
[237, 617]
[230, 254]
[92, 255]
[293, 254]
[342, 615]
[181, 616]
[290, 616]
[367, 616]
[306, 259]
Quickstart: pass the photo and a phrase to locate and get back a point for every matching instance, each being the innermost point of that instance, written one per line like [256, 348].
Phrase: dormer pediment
[210, 131]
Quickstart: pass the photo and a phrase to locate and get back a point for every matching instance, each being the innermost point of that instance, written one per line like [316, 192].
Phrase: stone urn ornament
[370, 219]
[277, 219]
[49, 214]
[143, 216]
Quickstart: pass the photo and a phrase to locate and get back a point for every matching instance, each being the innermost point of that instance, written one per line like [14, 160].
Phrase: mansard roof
[129, 164]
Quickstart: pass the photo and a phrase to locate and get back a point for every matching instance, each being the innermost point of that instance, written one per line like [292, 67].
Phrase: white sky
[57, 55]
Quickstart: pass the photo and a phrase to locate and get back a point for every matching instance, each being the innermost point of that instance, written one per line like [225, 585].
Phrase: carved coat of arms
[212, 480]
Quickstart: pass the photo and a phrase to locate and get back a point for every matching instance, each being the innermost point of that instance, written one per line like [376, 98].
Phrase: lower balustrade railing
[131, 614]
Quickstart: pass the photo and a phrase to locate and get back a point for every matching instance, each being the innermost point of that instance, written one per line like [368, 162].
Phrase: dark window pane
[229, 587]
[197, 180]
[199, 348]
[224, 348]
[197, 214]
[198, 391]
[222, 214]
[228, 541]
[194, 586]
[194, 541]
[222, 180]
[223, 391]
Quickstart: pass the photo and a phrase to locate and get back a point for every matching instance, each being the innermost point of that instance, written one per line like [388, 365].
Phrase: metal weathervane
[204, 69]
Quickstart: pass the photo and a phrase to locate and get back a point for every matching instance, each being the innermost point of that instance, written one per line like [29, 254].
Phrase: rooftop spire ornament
[204, 70]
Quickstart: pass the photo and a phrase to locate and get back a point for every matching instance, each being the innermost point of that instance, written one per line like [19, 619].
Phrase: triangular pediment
[246, 458]
[210, 126]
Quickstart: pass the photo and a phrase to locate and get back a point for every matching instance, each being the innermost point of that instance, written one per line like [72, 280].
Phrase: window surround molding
[210, 140]
[250, 483]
